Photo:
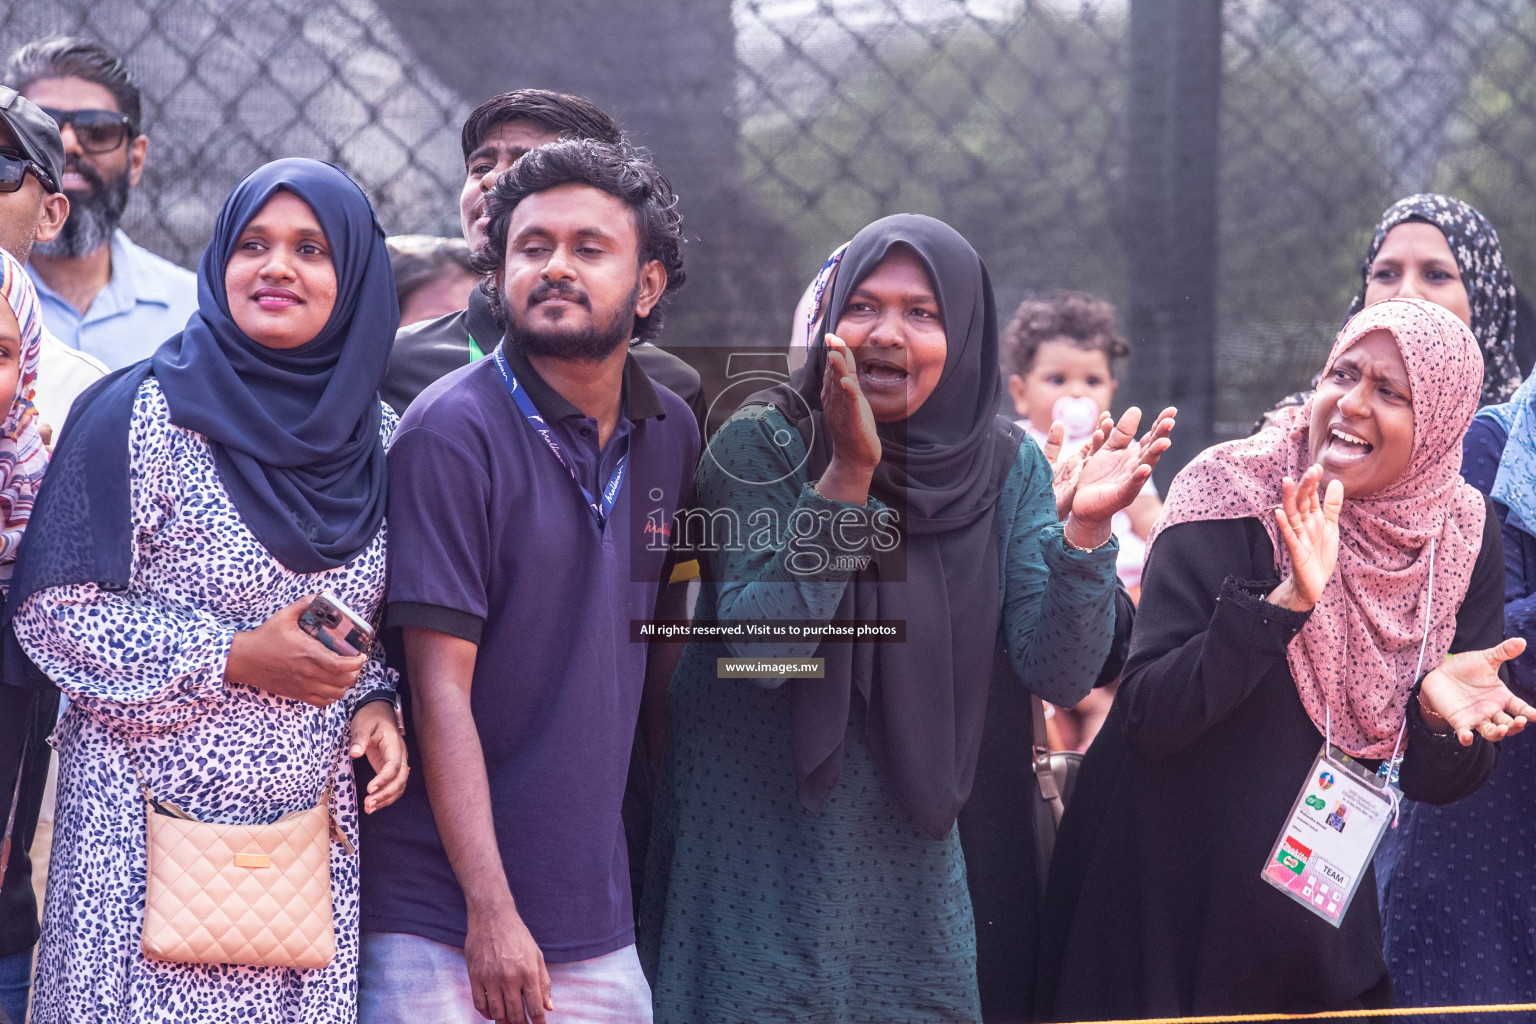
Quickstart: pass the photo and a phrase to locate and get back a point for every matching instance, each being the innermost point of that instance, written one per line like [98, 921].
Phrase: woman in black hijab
[805, 857]
[1437, 248]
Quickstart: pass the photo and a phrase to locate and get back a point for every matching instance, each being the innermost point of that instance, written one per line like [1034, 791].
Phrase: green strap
[475, 352]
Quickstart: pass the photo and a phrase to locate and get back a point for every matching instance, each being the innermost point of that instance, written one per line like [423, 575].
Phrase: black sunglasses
[14, 166]
[98, 131]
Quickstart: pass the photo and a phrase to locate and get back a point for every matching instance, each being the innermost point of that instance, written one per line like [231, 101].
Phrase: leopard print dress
[145, 667]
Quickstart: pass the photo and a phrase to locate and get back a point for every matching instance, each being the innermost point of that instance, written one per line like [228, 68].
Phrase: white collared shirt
[62, 373]
[147, 301]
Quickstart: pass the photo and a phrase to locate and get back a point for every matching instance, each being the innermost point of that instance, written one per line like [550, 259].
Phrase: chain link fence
[788, 124]
[1002, 118]
[1331, 111]
[228, 86]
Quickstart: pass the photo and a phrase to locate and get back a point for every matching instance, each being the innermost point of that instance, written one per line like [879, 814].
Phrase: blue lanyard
[601, 510]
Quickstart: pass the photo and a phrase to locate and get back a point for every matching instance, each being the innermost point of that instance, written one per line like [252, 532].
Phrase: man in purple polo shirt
[520, 488]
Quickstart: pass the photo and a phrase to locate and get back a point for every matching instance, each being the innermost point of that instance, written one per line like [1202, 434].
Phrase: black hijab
[1490, 289]
[296, 434]
[923, 701]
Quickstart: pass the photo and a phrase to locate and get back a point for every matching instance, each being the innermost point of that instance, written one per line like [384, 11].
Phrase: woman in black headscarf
[1437, 248]
[805, 858]
[1402, 265]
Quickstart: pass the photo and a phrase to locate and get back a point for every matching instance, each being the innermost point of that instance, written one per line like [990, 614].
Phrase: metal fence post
[1173, 129]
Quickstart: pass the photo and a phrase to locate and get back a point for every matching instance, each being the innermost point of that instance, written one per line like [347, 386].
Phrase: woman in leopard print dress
[164, 599]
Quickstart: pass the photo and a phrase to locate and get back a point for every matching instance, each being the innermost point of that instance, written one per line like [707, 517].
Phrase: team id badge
[1332, 832]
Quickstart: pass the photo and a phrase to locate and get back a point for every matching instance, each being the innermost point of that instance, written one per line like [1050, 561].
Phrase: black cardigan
[26, 718]
[997, 835]
[1155, 905]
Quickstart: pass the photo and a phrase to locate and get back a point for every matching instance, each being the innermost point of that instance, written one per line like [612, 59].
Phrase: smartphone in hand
[330, 621]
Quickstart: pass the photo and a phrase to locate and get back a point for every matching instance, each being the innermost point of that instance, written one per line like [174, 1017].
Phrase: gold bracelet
[823, 497]
[1425, 709]
[1078, 547]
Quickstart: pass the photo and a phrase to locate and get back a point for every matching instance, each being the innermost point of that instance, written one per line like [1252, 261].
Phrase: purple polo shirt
[491, 540]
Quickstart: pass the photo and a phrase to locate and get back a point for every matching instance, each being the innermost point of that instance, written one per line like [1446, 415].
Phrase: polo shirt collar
[640, 401]
[130, 283]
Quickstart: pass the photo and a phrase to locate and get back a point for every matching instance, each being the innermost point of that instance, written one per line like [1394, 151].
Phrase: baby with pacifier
[1060, 353]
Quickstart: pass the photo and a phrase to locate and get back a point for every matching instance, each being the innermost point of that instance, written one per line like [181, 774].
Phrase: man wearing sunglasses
[101, 294]
[33, 207]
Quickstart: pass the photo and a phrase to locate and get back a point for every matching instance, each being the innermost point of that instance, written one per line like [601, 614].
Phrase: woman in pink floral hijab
[1358, 651]
[1332, 576]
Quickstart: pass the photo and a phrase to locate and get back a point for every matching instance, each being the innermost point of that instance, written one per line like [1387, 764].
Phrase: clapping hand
[851, 422]
[847, 411]
[1067, 463]
[1466, 693]
[1310, 530]
[1114, 472]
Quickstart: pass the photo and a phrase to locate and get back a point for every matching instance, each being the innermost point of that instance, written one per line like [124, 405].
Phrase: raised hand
[1466, 693]
[1067, 463]
[851, 422]
[847, 411]
[1114, 472]
[1310, 530]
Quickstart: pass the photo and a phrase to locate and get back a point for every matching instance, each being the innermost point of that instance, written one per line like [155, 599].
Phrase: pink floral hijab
[23, 457]
[1354, 660]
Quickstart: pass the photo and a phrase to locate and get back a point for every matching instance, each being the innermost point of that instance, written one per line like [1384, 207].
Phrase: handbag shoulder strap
[136, 763]
[1045, 778]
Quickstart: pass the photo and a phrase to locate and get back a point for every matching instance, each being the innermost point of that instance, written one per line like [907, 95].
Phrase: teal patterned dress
[759, 910]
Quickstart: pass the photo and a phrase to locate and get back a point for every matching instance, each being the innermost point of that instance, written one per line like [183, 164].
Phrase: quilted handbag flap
[258, 895]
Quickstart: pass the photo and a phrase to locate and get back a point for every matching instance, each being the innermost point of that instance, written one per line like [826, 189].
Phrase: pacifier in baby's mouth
[1078, 415]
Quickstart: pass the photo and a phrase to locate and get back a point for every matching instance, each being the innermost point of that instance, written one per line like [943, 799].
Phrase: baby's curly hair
[1085, 320]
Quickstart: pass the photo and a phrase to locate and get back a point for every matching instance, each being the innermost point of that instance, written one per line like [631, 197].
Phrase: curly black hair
[622, 171]
[1085, 320]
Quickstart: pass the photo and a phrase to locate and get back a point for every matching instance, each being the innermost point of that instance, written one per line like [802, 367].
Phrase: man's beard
[591, 344]
[93, 215]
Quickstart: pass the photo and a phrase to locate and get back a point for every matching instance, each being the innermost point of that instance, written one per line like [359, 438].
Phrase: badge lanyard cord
[1429, 606]
[601, 506]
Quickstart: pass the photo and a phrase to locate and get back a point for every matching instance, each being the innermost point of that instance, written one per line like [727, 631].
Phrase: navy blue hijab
[295, 433]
